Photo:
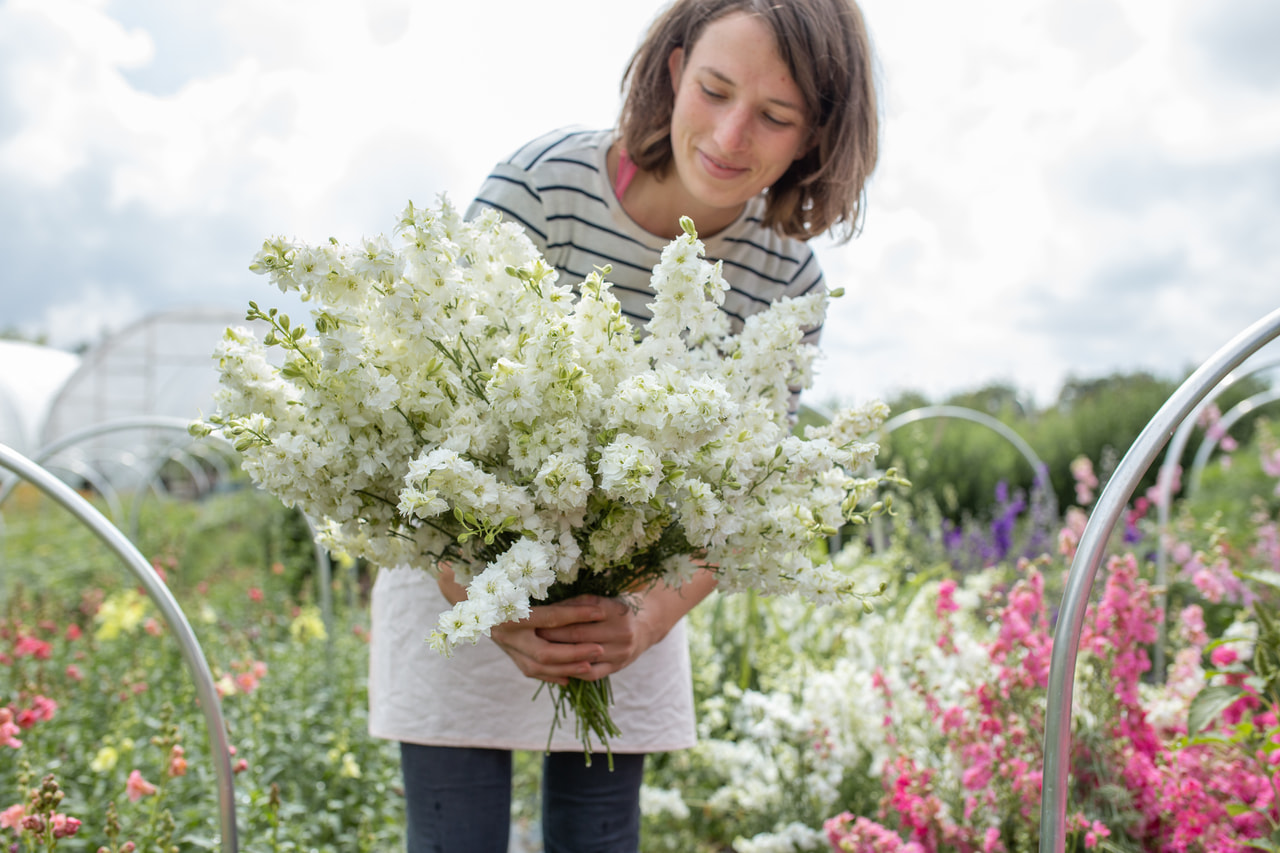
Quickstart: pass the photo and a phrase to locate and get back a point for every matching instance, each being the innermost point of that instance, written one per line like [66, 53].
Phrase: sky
[1066, 188]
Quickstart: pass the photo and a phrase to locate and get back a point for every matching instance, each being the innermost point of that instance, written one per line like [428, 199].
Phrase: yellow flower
[307, 625]
[350, 767]
[105, 760]
[121, 613]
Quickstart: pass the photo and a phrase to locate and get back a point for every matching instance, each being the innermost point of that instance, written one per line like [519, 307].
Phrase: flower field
[913, 726]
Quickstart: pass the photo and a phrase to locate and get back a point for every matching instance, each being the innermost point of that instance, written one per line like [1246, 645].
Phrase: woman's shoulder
[774, 263]
[572, 146]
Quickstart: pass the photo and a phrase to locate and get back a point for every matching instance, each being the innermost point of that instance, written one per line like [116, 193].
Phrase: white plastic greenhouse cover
[30, 377]
[161, 365]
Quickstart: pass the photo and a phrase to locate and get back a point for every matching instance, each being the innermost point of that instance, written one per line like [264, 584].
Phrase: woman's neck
[657, 205]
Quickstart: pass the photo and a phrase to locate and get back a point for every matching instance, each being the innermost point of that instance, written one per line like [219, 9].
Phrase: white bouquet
[455, 405]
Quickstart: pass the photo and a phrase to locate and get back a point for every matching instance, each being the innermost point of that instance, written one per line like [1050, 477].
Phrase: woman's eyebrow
[781, 102]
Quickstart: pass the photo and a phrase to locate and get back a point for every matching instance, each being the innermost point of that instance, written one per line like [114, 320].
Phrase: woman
[757, 119]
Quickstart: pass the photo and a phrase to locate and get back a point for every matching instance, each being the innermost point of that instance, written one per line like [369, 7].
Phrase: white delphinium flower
[1241, 635]
[421, 503]
[564, 484]
[630, 469]
[1167, 705]
[376, 260]
[623, 530]
[343, 348]
[689, 290]
[276, 260]
[659, 802]
[701, 409]
[531, 566]
[639, 403]
[699, 511]
[512, 392]
[792, 838]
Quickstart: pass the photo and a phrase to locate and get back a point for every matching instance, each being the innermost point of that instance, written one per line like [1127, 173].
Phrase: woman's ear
[675, 64]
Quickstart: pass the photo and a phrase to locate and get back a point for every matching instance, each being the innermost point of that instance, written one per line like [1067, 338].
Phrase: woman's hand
[625, 629]
[557, 642]
[589, 637]
[536, 657]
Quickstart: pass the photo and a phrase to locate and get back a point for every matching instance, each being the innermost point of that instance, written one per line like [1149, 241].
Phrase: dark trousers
[458, 800]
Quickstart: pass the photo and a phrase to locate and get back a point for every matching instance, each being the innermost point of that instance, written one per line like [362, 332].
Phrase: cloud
[1238, 39]
[186, 43]
[1065, 185]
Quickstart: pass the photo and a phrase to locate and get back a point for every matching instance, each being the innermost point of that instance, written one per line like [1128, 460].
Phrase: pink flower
[1086, 480]
[1192, 623]
[1223, 656]
[946, 598]
[1175, 483]
[255, 595]
[43, 708]
[177, 761]
[11, 818]
[30, 646]
[848, 834]
[137, 787]
[64, 827]
[8, 729]
[1209, 584]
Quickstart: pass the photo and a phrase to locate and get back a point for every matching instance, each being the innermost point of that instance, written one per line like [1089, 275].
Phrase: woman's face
[739, 118]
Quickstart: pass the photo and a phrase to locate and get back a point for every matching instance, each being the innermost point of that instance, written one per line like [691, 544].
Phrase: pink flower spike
[137, 787]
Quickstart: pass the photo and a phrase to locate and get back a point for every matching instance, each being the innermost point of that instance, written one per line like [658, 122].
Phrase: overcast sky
[1067, 187]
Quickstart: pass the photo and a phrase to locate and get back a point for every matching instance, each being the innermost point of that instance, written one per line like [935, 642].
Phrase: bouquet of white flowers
[455, 405]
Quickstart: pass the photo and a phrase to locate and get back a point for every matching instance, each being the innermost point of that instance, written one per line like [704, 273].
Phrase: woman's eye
[712, 94]
[777, 122]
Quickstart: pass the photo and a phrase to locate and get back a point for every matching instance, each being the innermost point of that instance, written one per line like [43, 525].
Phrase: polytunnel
[30, 377]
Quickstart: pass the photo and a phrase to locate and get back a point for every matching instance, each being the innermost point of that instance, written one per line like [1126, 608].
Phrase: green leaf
[1264, 576]
[1208, 704]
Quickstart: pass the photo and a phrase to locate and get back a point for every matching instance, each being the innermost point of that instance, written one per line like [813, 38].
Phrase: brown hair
[824, 44]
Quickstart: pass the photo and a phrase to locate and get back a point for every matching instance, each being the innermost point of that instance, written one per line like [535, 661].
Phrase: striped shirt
[557, 187]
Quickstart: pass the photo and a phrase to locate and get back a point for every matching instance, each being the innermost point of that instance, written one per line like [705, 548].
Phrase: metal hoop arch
[193, 655]
[324, 567]
[71, 439]
[997, 426]
[1106, 513]
[1164, 486]
[1206, 448]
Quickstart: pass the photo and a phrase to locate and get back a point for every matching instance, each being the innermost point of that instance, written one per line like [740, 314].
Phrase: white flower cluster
[454, 403]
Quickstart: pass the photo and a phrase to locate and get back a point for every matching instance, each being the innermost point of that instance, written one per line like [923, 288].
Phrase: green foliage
[958, 463]
[295, 702]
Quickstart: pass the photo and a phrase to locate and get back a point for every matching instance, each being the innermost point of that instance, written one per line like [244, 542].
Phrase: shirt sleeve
[511, 191]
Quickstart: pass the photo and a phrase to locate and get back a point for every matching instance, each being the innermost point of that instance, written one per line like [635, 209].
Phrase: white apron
[479, 698]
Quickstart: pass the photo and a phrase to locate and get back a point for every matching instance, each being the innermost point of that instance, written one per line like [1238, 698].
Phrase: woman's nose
[732, 131]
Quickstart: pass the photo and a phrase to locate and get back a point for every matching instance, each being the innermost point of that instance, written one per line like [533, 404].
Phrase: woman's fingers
[543, 659]
[587, 637]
